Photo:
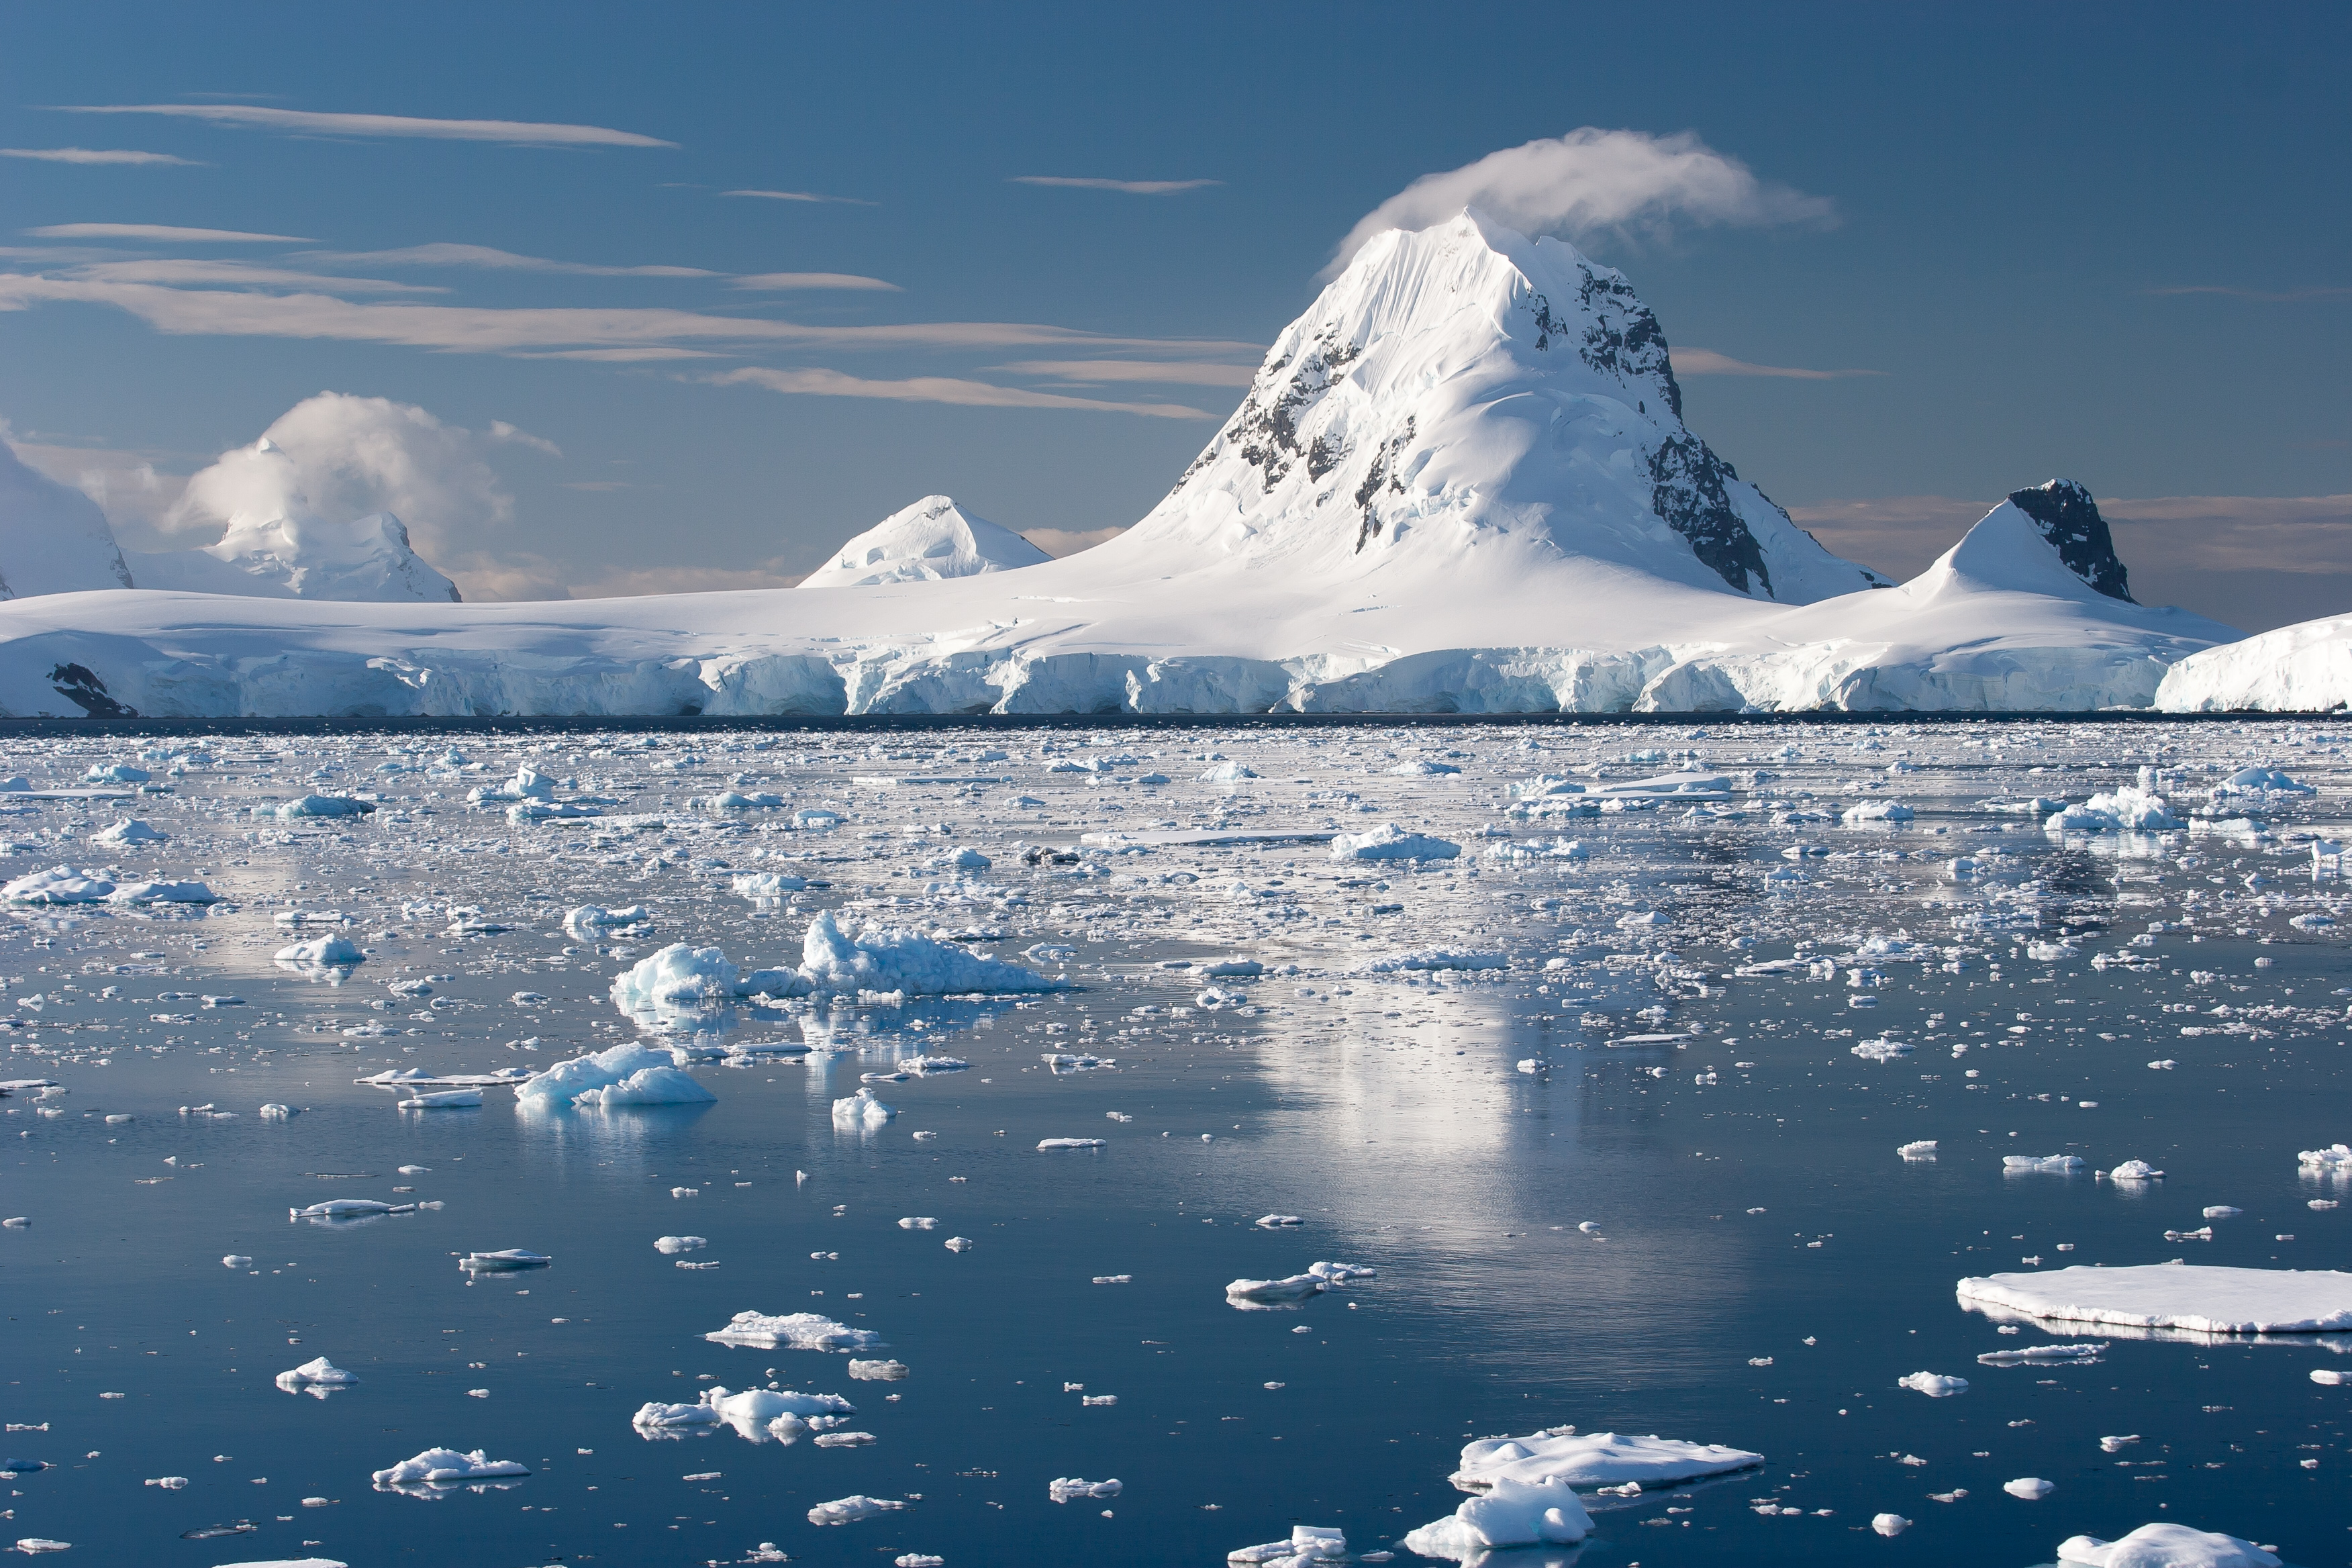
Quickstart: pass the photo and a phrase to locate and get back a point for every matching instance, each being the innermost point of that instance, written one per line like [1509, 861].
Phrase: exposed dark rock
[2069, 518]
[1686, 492]
[80, 686]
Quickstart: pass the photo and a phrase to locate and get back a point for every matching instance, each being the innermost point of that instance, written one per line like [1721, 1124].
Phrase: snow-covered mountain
[2303, 669]
[930, 540]
[54, 539]
[1461, 482]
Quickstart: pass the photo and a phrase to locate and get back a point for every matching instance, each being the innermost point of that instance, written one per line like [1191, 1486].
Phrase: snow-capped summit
[932, 538]
[2069, 518]
[1464, 388]
[368, 558]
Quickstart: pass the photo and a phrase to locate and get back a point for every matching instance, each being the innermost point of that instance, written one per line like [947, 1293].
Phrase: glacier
[1459, 483]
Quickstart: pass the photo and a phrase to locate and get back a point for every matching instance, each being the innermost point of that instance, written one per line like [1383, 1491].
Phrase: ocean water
[1615, 1161]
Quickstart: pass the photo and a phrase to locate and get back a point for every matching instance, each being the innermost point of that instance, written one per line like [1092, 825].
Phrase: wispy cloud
[297, 121]
[802, 196]
[1592, 181]
[162, 231]
[487, 258]
[2263, 295]
[1138, 370]
[483, 330]
[92, 155]
[936, 389]
[187, 271]
[1133, 187]
[1707, 362]
[787, 281]
[616, 356]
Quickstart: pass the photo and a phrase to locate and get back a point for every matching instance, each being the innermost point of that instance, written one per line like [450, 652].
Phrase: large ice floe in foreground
[2165, 1546]
[1459, 482]
[2194, 1297]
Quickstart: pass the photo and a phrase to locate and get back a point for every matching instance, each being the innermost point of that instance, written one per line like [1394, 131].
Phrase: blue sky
[2102, 242]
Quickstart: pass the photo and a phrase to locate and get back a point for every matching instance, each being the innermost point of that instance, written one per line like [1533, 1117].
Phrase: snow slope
[53, 538]
[932, 538]
[1460, 482]
[2303, 669]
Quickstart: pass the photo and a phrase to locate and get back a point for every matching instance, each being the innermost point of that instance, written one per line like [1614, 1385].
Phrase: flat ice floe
[1593, 1459]
[447, 1467]
[852, 1508]
[794, 1331]
[2196, 1297]
[319, 1377]
[761, 1415]
[1509, 1513]
[2165, 1546]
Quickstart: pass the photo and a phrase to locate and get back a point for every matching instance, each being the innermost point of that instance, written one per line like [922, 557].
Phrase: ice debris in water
[673, 1244]
[792, 1330]
[889, 958]
[761, 1415]
[2015, 1165]
[2165, 1546]
[2033, 1488]
[1390, 842]
[565, 1081]
[852, 1508]
[321, 953]
[1045, 1144]
[2202, 1297]
[1066, 1489]
[319, 1377]
[1593, 1459]
[447, 1467]
[647, 1086]
[1921, 1148]
[1935, 1385]
[507, 1260]
[1509, 1513]
[2045, 1355]
[862, 1111]
[877, 1371]
[1889, 1524]
[1308, 1545]
[2135, 1171]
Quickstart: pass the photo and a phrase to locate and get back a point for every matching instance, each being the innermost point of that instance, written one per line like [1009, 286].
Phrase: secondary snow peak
[930, 540]
[1466, 389]
[2069, 518]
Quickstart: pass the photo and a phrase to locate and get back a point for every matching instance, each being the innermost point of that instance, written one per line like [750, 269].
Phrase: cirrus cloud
[1133, 187]
[162, 231]
[484, 257]
[1592, 181]
[1707, 362]
[93, 156]
[297, 121]
[936, 389]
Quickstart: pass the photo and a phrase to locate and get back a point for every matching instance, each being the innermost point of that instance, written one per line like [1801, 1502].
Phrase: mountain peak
[934, 538]
[1463, 383]
[2069, 518]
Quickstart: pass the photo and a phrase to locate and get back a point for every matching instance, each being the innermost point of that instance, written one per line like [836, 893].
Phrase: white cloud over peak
[1589, 182]
[936, 389]
[1133, 187]
[161, 231]
[487, 259]
[297, 121]
[93, 156]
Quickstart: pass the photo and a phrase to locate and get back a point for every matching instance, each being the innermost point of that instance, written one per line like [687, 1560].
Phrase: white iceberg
[1390, 842]
[447, 1467]
[647, 1086]
[564, 1083]
[2165, 1546]
[58, 885]
[1509, 1513]
[889, 958]
[319, 1377]
[1593, 1459]
[2197, 1297]
[862, 1111]
[792, 1330]
[851, 1510]
[1934, 1384]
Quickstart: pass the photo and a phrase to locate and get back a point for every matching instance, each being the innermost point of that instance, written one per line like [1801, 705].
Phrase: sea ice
[792, 1330]
[565, 1081]
[1390, 842]
[890, 958]
[851, 1510]
[2165, 1546]
[1308, 1546]
[862, 1111]
[58, 885]
[447, 1467]
[2033, 1488]
[1509, 1513]
[674, 1244]
[1935, 1385]
[647, 1086]
[1067, 1488]
[2198, 1297]
[1593, 1459]
[319, 1377]
[2015, 1165]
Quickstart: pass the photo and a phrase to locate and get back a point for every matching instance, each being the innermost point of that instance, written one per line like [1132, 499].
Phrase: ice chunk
[1935, 1385]
[165, 893]
[891, 958]
[2198, 1297]
[862, 1111]
[2133, 1171]
[326, 805]
[1889, 1524]
[326, 952]
[2165, 1546]
[129, 830]
[1048, 1143]
[647, 1086]
[444, 1100]
[1067, 1488]
[792, 1330]
[2015, 1165]
[2033, 1488]
[564, 1082]
[1308, 1545]
[1877, 811]
[852, 1508]
[511, 1258]
[675, 1243]
[1921, 1148]
[760, 885]
[590, 915]
[1592, 1460]
[2335, 1158]
[1433, 958]
[319, 1376]
[1294, 1288]
[1390, 842]
[1510, 1513]
[2044, 1355]
[877, 1371]
[346, 1208]
[447, 1467]
[58, 885]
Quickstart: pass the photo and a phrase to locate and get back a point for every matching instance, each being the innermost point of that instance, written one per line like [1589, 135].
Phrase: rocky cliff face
[2069, 518]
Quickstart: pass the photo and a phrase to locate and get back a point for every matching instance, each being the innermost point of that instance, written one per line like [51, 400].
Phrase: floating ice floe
[444, 1100]
[1433, 958]
[1882, 1049]
[591, 915]
[1877, 811]
[2135, 1171]
[348, 1209]
[2335, 1158]
[1308, 1546]
[853, 1509]
[564, 1083]
[1046, 1144]
[129, 830]
[1070, 1489]
[647, 1086]
[1390, 842]
[2033, 1488]
[319, 1377]
[877, 1371]
[322, 956]
[2165, 1546]
[58, 885]
[676, 1244]
[1593, 1459]
[2202, 1297]
[760, 1415]
[1919, 1149]
[890, 958]
[792, 1330]
[447, 1467]
[164, 893]
[1935, 1385]
[325, 805]
[682, 986]
[1509, 1513]
[2130, 808]
[2026, 1164]
[506, 1262]
[862, 1111]
[2081, 1354]
[767, 885]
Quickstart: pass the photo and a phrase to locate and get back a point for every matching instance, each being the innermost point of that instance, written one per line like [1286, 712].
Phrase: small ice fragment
[2135, 1171]
[1924, 1149]
[237, 1260]
[1114, 1278]
[2221, 1210]
[319, 1374]
[1047, 1143]
[852, 1508]
[1066, 1489]
[918, 1222]
[1098, 1399]
[1889, 1524]
[2330, 1376]
[443, 1466]
[2033, 1488]
[877, 1371]
[1935, 1385]
[675, 1243]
